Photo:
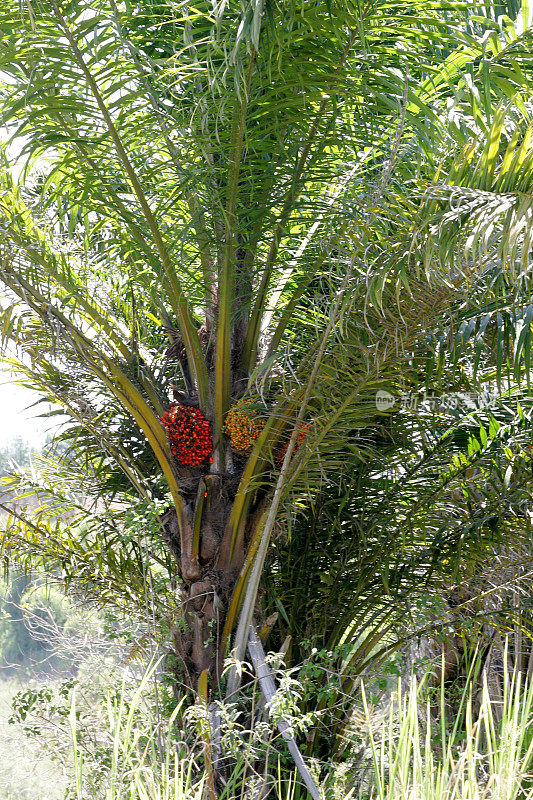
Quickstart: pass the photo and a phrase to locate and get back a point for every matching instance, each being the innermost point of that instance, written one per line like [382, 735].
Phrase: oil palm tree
[223, 236]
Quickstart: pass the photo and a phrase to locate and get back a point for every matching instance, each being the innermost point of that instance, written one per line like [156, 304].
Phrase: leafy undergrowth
[26, 773]
[409, 747]
[414, 750]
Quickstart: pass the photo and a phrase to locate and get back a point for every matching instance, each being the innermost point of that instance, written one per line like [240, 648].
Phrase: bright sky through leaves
[16, 416]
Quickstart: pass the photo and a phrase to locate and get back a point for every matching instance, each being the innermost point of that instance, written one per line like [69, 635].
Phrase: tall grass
[148, 762]
[414, 752]
[142, 766]
[486, 755]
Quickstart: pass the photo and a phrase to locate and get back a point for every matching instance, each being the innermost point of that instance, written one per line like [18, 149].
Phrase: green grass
[26, 773]
[415, 752]
[486, 753]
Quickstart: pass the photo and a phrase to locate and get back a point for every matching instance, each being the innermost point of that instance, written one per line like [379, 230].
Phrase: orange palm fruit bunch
[243, 424]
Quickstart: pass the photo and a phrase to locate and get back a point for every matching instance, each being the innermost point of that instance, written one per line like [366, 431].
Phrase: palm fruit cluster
[243, 425]
[302, 433]
[189, 434]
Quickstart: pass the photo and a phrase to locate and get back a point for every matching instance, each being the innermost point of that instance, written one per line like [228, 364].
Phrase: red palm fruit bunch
[243, 425]
[189, 434]
[302, 433]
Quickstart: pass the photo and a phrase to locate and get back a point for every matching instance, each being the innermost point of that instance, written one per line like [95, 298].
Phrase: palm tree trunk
[206, 588]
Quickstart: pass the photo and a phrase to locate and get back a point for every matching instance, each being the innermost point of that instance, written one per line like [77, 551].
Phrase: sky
[16, 418]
